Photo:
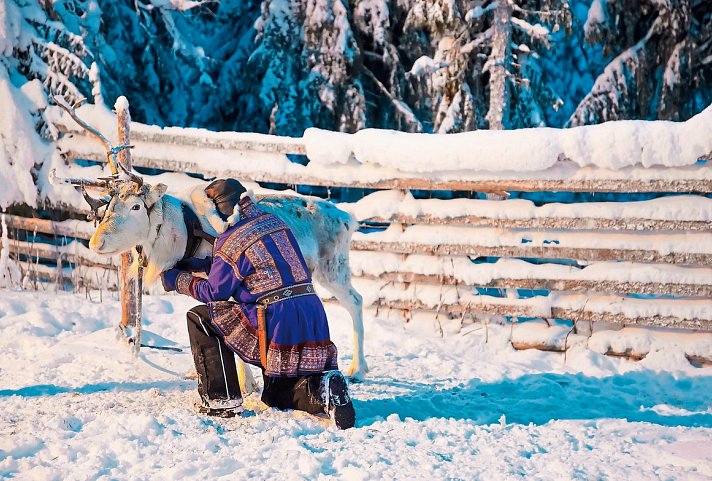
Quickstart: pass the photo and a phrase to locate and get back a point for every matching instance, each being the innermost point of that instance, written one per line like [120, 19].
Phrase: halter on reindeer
[138, 214]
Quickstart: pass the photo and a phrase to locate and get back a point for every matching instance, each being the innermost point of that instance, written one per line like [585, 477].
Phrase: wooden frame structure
[686, 292]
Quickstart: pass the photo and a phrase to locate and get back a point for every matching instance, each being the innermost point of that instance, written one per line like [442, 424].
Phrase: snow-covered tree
[37, 55]
[443, 66]
[480, 59]
[304, 62]
[659, 60]
[518, 95]
[570, 66]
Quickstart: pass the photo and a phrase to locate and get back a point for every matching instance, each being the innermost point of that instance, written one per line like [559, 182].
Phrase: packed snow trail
[75, 406]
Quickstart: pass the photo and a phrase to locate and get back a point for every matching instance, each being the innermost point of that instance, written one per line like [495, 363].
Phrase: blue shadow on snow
[540, 398]
[532, 398]
[40, 390]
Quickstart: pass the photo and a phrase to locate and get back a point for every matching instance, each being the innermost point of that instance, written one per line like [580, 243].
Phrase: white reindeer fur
[322, 230]
[165, 247]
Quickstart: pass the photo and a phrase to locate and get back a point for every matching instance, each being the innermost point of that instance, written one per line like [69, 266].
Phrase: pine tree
[305, 59]
[37, 55]
[37, 46]
[659, 65]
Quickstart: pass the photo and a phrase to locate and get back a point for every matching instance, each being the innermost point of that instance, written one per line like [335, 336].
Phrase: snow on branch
[423, 66]
[536, 32]
[179, 5]
[596, 21]
[615, 87]
[63, 58]
[478, 40]
[479, 11]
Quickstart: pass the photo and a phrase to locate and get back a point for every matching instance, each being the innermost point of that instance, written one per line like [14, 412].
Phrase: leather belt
[274, 297]
[285, 293]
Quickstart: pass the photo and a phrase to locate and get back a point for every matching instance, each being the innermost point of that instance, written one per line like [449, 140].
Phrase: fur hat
[228, 194]
[225, 194]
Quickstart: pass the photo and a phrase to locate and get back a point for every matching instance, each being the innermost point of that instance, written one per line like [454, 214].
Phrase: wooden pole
[129, 293]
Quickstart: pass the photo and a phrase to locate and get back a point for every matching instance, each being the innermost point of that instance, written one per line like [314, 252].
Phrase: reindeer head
[131, 205]
[130, 219]
[132, 210]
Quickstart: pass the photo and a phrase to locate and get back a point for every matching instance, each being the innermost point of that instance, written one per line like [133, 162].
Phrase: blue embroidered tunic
[258, 255]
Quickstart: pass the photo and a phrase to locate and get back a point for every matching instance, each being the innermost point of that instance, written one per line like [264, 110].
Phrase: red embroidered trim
[285, 247]
[282, 360]
[307, 357]
[193, 283]
[233, 324]
[266, 276]
[184, 282]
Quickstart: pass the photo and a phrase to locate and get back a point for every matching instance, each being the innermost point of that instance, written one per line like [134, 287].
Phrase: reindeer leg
[248, 384]
[359, 367]
[338, 282]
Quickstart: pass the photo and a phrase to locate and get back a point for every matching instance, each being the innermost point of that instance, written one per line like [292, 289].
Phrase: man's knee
[198, 317]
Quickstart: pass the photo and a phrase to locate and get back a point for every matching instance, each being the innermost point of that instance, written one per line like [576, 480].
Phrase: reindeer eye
[136, 207]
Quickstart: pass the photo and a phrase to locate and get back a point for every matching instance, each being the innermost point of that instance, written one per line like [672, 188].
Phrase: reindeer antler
[71, 110]
[94, 204]
[137, 179]
[102, 182]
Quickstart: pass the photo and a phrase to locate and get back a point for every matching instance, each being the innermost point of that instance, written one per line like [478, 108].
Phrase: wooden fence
[623, 262]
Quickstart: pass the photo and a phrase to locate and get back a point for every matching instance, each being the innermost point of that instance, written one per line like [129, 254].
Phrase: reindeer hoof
[250, 386]
[356, 371]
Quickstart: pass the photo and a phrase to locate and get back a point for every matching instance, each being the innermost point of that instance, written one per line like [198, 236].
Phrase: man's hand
[168, 278]
[195, 264]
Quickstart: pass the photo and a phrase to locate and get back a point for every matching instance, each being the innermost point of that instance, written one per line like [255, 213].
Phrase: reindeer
[146, 219]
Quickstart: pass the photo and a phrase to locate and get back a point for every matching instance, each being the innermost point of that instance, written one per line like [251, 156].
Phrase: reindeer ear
[155, 193]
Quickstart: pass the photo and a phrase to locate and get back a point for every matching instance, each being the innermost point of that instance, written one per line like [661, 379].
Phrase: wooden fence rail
[652, 242]
[542, 284]
[568, 223]
[550, 251]
[576, 315]
[194, 155]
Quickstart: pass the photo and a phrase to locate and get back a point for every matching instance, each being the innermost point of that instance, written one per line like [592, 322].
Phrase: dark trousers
[214, 361]
[217, 372]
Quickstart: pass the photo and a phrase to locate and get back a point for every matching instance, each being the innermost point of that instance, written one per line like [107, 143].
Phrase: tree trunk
[500, 60]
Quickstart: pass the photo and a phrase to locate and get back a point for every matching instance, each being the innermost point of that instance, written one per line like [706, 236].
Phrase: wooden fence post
[129, 293]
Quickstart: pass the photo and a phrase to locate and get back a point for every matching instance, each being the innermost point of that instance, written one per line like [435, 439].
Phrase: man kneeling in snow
[259, 303]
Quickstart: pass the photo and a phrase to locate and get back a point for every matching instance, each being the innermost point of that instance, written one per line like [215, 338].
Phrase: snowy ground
[75, 406]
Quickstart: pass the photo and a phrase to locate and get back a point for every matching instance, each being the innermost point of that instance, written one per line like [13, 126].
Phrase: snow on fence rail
[608, 261]
[626, 156]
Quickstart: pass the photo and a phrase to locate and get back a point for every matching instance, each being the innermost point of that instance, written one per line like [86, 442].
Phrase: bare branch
[398, 104]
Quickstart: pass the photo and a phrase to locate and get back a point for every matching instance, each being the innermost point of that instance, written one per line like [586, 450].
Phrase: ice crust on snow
[611, 145]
